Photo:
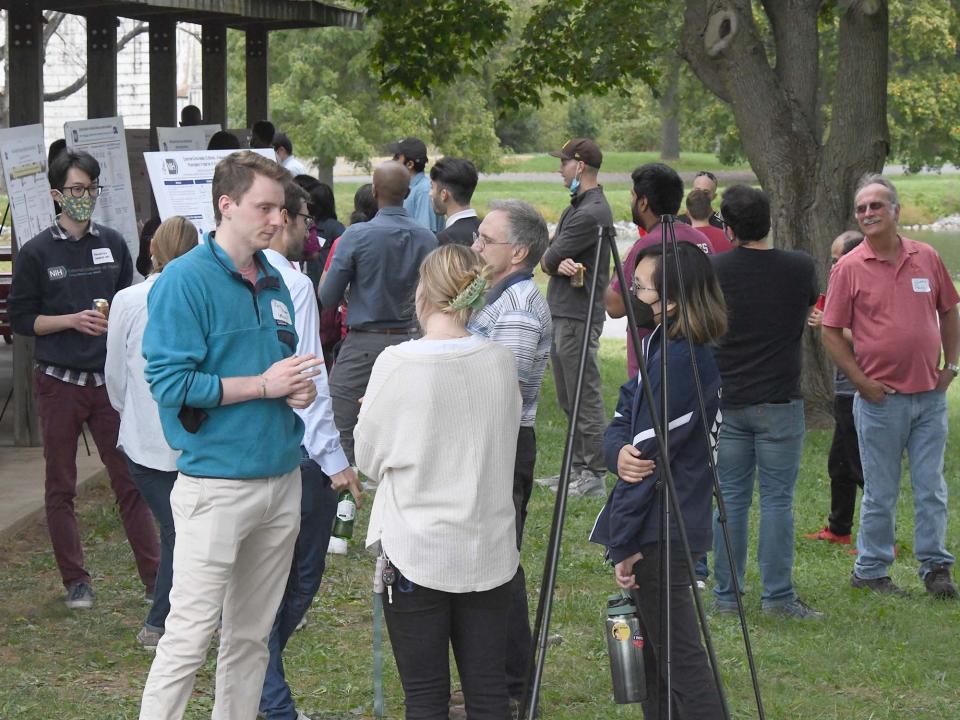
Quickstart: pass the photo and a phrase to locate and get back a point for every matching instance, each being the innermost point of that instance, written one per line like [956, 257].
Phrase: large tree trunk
[810, 179]
[670, 112]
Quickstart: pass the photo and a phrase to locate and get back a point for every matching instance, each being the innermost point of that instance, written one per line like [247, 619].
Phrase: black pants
[423, 623]
[519, 637]
[843, 466]
[695, 694]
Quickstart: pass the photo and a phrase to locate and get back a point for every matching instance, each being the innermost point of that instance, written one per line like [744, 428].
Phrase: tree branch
[795, 32]
[138, 29]
[67, 91]
[52, 22]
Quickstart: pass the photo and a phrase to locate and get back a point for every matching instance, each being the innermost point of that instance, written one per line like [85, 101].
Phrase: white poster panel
[24, 160]
[104, 138]
[191, 137]
[183, 183]
[138, 142]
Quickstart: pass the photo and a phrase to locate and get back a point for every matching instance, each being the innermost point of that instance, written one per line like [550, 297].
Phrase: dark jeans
[63, 408]
[318, 507]
[695, 694]
[423, 623]
[155, 487]
[519, 638]
[843, 466]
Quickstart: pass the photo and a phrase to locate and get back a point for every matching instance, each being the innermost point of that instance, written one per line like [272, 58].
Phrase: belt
[385, 331]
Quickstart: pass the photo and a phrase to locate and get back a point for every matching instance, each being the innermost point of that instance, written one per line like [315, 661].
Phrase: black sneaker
[940, 584]
[79, 597]
[881, 586]
[796, 609]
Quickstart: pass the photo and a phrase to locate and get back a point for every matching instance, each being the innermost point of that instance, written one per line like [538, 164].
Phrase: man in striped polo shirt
[512, 238]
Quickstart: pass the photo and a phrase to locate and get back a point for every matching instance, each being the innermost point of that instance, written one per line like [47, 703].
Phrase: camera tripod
[669, 507]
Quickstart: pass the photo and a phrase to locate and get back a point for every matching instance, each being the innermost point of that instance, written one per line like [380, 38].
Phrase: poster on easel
[190, 137]
[24, 159]
[182, 183]
[104, 138]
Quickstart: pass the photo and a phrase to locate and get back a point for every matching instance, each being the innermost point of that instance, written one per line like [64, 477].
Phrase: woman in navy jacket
[629, 524]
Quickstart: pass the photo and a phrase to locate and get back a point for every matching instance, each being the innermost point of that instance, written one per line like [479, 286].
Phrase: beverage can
[577, 279]
[102, 306]
[821, 302]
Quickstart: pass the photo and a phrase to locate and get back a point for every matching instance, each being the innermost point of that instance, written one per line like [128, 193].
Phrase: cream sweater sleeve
[369, 436]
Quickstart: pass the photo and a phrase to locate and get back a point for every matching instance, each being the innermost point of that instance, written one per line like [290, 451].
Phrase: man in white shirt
[324, 464]
[284, 150]
[452, 182]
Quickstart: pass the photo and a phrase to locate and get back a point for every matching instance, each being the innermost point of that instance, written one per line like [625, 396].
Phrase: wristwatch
[952, 367]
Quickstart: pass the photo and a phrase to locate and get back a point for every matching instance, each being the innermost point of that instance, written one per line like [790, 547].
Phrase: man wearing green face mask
[57, 276]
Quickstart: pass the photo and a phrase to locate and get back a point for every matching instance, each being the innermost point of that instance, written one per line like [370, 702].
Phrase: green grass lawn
[622, 162]
[871, 657]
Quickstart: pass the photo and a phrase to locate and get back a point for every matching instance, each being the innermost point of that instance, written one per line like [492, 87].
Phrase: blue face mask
[574, 186]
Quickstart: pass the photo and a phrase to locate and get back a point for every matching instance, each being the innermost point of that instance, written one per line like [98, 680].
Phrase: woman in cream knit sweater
[438, 429]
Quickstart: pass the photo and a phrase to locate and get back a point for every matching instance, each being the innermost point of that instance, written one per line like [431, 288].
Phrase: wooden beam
[25, 53]
[163, 76]
[258, 104]
[214, 63]
[101, 65]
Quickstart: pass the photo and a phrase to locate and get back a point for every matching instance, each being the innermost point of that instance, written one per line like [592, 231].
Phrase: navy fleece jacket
[631, 517]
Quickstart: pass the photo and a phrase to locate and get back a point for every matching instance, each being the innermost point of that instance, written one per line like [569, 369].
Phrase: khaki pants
[235, 541]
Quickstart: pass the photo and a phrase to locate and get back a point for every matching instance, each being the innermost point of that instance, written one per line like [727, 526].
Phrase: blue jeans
[764, 440]
[317, 511]
[155, 487]
[916, 422]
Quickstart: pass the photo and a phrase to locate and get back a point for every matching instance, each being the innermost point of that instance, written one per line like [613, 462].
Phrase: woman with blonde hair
[438, 429]
[153, 464]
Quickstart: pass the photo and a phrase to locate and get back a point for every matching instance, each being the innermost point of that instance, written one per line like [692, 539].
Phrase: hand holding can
[577, 279]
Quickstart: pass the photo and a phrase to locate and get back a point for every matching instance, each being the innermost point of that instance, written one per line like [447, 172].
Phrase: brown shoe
[881, 586]
[939, 583]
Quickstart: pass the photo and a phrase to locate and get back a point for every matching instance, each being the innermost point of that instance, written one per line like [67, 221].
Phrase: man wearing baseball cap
[569, 262]
[412, 153]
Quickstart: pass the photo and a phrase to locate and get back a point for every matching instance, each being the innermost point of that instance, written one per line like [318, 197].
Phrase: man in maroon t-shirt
[700, 212]
[657, 191]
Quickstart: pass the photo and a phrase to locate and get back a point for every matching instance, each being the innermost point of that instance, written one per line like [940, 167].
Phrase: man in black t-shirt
[769, 294]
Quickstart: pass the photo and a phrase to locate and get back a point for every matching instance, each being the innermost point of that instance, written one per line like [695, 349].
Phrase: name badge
[280, 313]
[921, 285]
[102, 255]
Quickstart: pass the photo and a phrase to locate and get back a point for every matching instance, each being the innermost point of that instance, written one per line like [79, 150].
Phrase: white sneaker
[337, 546]
[302, 716]
[589, 485]
[548, 482]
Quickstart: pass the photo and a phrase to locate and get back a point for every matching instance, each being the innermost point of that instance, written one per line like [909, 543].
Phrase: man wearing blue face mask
[58, 275]
[569, 262]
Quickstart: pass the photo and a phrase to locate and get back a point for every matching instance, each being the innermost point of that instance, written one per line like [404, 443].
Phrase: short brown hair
[698, 204]
[293, 196]
[234, 175]
[176, 236]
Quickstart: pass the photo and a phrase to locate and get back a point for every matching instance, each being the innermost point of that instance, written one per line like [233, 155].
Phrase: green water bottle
[346, 513]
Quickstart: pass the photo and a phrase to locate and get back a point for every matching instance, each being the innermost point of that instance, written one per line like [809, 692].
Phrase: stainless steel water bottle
[625, 648]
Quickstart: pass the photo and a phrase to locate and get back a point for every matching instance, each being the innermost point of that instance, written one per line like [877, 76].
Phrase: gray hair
[878, 179]
[526, 228]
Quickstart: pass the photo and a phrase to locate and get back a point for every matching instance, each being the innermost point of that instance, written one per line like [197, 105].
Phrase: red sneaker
[827, 534]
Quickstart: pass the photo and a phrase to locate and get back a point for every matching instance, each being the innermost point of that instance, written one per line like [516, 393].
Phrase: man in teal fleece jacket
[220, 350]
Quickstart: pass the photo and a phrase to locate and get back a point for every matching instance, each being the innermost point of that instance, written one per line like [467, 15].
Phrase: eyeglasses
[636, 289]
[875, 205]
[480, 242]
[307, 220]
[78, 191]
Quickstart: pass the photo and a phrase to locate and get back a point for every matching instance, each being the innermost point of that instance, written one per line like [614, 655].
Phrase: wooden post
[163, 76]
[258, 106]
[101, 65]
[25, 53]
[214, 43]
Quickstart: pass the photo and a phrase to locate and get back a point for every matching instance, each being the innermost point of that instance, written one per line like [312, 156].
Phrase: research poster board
[191, 137]
[24, 160]
[138, 143]
[104, 138]
[182, 183]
